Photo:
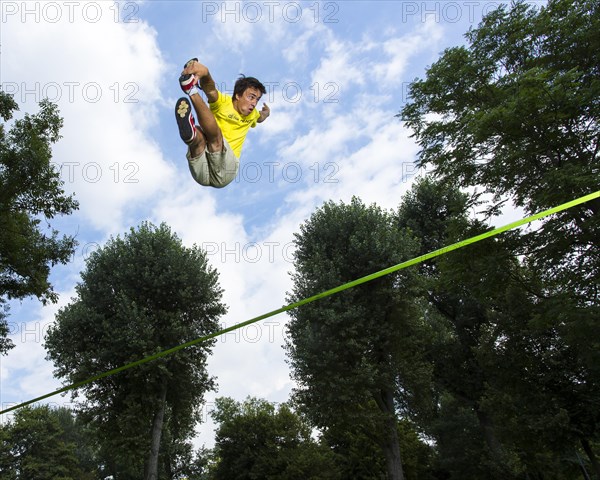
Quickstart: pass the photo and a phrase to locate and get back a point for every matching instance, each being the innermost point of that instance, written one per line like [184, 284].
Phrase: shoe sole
[185, 120]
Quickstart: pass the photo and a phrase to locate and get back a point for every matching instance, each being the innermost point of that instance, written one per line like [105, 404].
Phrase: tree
[30, 193]
[78, 433]
[459, 299]
[359, 455]
[5, 343]
[34, 445]
[355, 355]
[139, 295]
[515, 112]
[500, 374]
[257, 439]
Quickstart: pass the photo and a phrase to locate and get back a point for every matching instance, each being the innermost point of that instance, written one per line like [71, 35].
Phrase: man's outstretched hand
[265, 111]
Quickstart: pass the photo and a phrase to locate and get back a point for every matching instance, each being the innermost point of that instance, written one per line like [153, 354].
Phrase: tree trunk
[587, 448]
[497, 452]
[157, 425]
[391, 447]
[490, 437]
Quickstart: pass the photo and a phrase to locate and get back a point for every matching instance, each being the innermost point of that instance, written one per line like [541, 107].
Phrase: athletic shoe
[189, 83]
[185, 120]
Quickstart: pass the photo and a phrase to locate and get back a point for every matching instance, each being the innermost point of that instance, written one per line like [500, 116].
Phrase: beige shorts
[214, 169]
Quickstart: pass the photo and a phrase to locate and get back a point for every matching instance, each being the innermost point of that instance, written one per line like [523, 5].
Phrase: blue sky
[336, 73]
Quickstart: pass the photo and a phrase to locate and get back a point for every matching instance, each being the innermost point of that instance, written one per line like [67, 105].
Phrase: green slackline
[327, 293]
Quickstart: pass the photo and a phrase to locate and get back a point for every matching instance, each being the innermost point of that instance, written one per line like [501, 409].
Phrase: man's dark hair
[244, 82]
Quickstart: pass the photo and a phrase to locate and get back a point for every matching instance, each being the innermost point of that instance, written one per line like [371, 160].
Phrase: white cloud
[105, 77]
[24, 372]
[354, 146]
[399, 51]
[323, 142]
[341, 65]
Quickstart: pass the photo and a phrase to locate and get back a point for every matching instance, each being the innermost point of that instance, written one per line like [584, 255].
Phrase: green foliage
[340, 348]
[257, 440]
[36, 445]
[5, 343]
[511, 394]
[461, 291]
[356, 356]
[516, 112]
[518, 107]
[30, 193]
[358, 452]
[139, 295]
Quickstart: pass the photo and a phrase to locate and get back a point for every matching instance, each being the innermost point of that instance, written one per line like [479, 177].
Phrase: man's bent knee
[215, 146]
[198, 146]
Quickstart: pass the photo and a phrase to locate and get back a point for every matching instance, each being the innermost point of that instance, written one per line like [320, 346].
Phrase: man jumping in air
[214, 147]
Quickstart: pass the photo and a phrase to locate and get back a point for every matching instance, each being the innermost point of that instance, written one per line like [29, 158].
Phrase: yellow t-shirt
[233, 125]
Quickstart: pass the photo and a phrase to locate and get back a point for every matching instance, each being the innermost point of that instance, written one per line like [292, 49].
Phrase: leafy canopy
[140, 294]
[31, 194]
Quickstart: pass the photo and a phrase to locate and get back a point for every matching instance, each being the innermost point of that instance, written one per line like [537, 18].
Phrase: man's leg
[189, 132]
[208, 124]
[194, 76]
[217, 158]
[198, 145]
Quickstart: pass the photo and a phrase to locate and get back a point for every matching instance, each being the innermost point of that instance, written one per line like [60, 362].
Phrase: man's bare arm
[207, 84]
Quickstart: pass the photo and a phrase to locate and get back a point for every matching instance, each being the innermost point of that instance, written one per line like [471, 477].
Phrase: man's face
[247, 101]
